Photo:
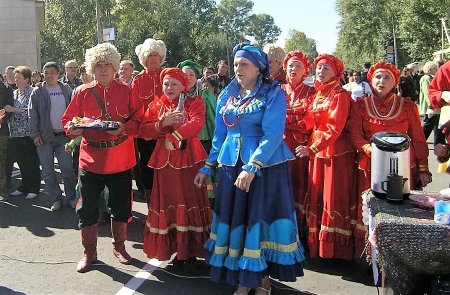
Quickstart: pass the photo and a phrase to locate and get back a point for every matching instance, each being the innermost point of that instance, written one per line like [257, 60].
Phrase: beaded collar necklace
[240, 110]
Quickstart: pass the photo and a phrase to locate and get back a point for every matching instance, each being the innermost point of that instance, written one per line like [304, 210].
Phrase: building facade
[20, 24]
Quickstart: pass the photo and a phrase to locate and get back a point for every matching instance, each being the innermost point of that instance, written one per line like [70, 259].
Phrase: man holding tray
[106, 156]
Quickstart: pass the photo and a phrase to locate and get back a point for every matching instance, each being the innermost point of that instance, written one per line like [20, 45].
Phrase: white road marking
[140, 277]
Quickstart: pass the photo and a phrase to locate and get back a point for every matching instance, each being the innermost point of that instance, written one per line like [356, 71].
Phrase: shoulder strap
[101, 104]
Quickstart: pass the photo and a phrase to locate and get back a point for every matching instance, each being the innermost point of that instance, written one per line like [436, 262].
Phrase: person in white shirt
[358, 88]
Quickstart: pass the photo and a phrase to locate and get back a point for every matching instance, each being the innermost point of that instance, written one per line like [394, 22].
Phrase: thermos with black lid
[390, 165]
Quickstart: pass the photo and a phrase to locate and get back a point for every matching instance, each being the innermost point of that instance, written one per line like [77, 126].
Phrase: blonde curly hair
[102, 52]
[151, 45]
[274, 52]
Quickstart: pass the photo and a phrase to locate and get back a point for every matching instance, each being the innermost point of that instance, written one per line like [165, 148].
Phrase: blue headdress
[255, 55]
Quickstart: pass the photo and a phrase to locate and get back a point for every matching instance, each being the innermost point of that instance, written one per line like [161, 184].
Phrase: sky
[318, 19]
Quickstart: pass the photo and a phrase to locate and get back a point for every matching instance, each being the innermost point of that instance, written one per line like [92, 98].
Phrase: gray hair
[67, 63]
[429, 67]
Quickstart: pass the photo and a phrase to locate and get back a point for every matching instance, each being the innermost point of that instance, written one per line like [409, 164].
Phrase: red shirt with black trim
[122, 108]
[146, 85]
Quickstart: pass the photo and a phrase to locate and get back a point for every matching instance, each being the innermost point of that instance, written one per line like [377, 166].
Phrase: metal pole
[395, 46]
[441, 56]
[97, 16]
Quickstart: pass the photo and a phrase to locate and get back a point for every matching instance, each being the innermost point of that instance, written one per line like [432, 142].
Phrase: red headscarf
[384, 66]
[335, 63]
[175, 73]
[298, 56]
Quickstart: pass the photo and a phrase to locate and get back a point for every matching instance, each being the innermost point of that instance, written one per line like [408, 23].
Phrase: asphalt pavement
[39, 250]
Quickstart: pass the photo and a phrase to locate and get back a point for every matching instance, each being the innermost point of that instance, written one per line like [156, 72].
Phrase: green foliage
[70, 28]
[298, 41]
[201, 30]
[367, 27]
[262, 27]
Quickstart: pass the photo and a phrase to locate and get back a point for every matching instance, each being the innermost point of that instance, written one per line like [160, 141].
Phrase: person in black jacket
[407, 87]
[6, 98]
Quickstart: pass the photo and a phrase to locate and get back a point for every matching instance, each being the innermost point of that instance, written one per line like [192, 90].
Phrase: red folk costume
[146, 86]
[280, 77]
[439, 84]
[370, 115]
[122, 108]
[179, 215]
[331, 197]
[299, 124]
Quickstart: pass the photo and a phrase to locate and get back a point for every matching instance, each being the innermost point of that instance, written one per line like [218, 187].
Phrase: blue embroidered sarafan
[253, 234]
[250, 128]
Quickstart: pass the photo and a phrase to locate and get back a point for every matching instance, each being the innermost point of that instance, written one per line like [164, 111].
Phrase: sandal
[263, 291]
[241, 290]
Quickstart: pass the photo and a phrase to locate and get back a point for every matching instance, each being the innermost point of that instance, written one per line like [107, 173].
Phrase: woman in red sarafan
[385, 111]
[179, 216]
[331, 198]
[299, 124]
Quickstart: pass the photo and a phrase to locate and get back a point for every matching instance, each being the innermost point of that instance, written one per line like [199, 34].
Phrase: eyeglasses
[103, 66]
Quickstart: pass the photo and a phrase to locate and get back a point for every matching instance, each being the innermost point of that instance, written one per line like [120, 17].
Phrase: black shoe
[178, 263]
[190, 266]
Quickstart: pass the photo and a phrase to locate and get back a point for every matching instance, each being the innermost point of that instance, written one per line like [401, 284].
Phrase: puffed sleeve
[354, 127]
[418, 140]
[337, 117]
[192, 127]
[220, 133]
[151, 126]
[273, 123]
[72, 110]
[440, 83]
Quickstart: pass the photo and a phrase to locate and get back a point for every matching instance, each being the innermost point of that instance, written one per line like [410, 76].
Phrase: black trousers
[23, 151]
[145, 150]
[120, 196]
[431, 124]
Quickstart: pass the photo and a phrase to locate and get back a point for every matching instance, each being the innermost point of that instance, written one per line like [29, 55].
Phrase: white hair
[102, 52]
[429, 67]
[151, 45]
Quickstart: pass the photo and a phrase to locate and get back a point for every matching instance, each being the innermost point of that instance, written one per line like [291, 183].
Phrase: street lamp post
[97, 16]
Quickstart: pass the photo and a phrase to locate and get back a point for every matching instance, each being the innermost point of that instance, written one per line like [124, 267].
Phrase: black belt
[59, 133]
[107, 144]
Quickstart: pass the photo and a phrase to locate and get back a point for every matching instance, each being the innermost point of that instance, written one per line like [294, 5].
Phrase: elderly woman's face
[295, 71]
[324, 73]
[246, 72]
[383, 83]
[191, 77]
[172, 87]
[153, 61]
[274, 66]
[21, 81]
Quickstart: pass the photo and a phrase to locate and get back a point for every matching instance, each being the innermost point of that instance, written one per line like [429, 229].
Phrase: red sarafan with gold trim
[179, 216]
[331, 199]
[396, 114]
[299, 124]
[371, 115]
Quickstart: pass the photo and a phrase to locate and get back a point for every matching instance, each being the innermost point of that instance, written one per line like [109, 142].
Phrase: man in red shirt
[145, 86]
[106, 156]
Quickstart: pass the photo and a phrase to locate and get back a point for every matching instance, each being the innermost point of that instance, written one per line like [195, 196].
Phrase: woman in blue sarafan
[254, 231]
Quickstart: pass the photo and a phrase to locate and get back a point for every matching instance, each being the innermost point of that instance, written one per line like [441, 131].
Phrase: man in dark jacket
[6, 98]
[47, 104]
